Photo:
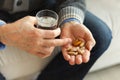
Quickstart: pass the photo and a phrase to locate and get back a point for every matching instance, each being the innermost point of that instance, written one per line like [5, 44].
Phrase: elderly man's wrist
[70, 20]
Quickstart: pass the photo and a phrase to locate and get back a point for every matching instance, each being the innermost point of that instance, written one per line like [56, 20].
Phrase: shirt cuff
[2, 46]
[71, 12]
[68, 20]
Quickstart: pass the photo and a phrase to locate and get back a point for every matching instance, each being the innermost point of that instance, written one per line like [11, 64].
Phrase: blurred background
[107, 66]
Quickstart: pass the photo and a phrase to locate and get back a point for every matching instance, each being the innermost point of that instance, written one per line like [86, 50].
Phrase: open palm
[74, 31]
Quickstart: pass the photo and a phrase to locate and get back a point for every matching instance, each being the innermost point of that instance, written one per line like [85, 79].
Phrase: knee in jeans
[106, 40]
[103, 42]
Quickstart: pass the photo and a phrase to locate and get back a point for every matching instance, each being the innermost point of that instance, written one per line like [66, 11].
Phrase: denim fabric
[59, 69]
[1, 77]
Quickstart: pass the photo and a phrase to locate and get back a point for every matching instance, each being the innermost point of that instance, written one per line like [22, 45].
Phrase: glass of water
[47, 19]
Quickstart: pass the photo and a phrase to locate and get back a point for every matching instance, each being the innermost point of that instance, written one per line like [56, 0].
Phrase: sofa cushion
[109, 12]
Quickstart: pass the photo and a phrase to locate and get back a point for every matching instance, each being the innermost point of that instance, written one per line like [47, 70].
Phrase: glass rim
[49, 11]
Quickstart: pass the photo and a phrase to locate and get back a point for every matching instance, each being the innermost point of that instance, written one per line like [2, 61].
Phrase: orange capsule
[76, 42]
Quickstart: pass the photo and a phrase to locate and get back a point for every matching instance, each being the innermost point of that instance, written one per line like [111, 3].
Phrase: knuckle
[50, 44]
[53, 43]
[35, 33]
[36, 43]
[53, 34]
[34, 39]
[28, 17]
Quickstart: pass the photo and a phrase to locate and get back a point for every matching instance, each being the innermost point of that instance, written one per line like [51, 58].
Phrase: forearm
[72, 9]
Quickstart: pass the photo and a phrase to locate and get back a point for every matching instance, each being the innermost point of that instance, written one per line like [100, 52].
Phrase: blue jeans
[59, 69]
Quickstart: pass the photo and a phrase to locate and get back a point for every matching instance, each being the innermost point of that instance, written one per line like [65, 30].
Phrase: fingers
[90, 45]
[45, 52]
[56, 42]
[45, 48]
[42, 52]
[86, 56]
[90, 42]
[65, 54]
[72, 60]
[77, 59]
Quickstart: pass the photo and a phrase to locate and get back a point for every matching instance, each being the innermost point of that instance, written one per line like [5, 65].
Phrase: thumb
[90, 45]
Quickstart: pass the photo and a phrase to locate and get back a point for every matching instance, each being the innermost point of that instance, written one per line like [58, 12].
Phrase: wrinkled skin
[23, 34]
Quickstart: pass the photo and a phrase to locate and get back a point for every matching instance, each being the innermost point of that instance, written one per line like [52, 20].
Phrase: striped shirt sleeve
[71, 12]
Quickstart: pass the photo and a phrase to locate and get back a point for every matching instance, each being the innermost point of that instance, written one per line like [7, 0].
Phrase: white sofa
[109, 12]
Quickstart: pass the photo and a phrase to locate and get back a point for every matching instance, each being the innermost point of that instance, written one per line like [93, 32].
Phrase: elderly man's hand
[74, 31]
[24, 35]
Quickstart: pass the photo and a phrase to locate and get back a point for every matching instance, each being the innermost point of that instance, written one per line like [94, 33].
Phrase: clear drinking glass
[47, 19]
